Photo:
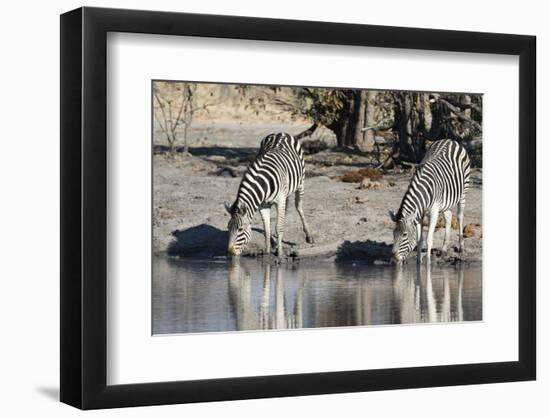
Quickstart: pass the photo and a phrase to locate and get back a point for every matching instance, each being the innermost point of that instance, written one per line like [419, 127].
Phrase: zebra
[439, 184]
[276, 173]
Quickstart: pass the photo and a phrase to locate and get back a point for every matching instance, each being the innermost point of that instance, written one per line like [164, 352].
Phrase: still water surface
[191, 296]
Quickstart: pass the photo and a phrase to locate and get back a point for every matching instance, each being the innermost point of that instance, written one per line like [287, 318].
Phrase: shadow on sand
[206, 241]
[199, 241]
[367, 252]
[243, 154]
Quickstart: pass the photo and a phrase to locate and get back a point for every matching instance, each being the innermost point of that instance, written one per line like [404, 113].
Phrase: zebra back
[279, 167]
[441, 178]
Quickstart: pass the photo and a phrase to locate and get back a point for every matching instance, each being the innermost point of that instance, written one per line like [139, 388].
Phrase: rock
[368, 184]
[365, 184]
[217, 158]
[226, 171]
[313, 146]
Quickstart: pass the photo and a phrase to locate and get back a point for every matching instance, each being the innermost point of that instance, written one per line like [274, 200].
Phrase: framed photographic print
[256, 207]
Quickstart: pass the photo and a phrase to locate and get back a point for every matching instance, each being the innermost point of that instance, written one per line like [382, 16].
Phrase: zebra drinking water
[276, 173]
[439, 184]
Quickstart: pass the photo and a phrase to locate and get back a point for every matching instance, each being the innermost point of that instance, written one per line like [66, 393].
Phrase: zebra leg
[298, 202]
[434, 214]
[460, 215]
[266, 217]
[281, 211]
[420, 240]
[448, 216]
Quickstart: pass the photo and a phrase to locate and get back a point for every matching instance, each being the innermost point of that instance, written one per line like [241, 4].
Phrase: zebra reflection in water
[414, 297]
[419, 301]
[268, 314]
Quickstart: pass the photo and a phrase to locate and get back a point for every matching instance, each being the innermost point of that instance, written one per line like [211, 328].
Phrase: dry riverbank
[349, 220]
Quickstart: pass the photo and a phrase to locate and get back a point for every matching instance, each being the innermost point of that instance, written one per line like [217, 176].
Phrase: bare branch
[461, 106]
[456, 111]
[307, 132]
[386, 161]
[164, 128]
[203, 107]
[376, 128]
[178, 118]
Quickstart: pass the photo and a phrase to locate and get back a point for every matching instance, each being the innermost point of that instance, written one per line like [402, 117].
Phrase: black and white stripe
[277, 172]
[438, 185]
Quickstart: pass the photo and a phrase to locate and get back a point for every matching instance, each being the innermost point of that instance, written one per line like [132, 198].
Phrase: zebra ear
[241, 210]
[393, 217]
[227, 206]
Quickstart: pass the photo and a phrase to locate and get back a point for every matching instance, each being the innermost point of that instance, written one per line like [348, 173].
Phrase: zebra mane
[233, 209]
[416, 177]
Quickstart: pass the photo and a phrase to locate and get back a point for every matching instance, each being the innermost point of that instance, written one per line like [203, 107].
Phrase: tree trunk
[369, 121]
[404, 128]
[171, 143]
[340, 126]
[185, 144]
[340, 130]
[348, 126]
[360, 135]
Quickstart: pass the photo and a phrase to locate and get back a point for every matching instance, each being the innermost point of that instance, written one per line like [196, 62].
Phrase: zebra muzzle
[395, 258]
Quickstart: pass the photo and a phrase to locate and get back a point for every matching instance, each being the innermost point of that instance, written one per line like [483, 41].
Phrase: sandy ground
[349, 223]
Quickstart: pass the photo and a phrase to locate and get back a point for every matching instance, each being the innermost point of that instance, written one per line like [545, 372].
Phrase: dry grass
[471, 229]
[358, 175]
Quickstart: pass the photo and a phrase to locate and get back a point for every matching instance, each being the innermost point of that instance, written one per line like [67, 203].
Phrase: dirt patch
[471, 230]
[347, 221]
[359, 175]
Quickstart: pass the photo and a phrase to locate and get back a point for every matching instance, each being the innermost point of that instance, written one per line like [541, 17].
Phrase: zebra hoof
[309, 239]
[272, 259]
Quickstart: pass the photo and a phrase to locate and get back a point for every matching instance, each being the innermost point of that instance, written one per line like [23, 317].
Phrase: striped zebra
[439, 184]
[276, 173]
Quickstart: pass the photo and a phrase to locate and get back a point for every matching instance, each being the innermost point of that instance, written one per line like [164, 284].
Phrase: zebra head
[238, 229]
[404, 236]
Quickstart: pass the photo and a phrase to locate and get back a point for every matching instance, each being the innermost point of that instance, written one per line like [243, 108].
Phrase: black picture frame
[84, 207]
